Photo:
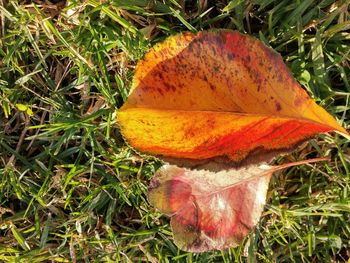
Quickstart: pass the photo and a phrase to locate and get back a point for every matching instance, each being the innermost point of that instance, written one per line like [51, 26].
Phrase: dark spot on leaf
[154, 183]
[169, 87]
[231, 56]
[216, 68]
[299, 101]
[190, 228]
[278, 106]
[190, 47]
[280, 78]
[160, 75]
[160, 91]
[147, 88]
[212, 87]
[211, 123]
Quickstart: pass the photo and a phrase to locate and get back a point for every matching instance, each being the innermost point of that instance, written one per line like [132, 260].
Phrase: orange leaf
[217, 94]
[223, 99]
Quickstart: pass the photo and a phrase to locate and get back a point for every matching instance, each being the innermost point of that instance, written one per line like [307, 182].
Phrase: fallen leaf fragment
[210, 210]
[213, 206]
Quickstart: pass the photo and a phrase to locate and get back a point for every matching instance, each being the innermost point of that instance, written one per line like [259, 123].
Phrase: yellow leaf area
[204, 134]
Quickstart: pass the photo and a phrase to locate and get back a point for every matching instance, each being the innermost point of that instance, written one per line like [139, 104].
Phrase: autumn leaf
[210, 210]
[218, 103]
[217, 94]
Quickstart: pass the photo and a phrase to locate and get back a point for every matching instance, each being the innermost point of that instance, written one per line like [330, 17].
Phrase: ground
[73, 191]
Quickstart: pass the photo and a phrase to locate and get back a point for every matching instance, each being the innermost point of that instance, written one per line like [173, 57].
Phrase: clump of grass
[72, 191]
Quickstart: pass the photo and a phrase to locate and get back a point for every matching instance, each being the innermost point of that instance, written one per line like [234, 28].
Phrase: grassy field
[72, 191]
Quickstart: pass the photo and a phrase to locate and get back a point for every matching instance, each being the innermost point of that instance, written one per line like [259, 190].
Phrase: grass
[72, 191]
